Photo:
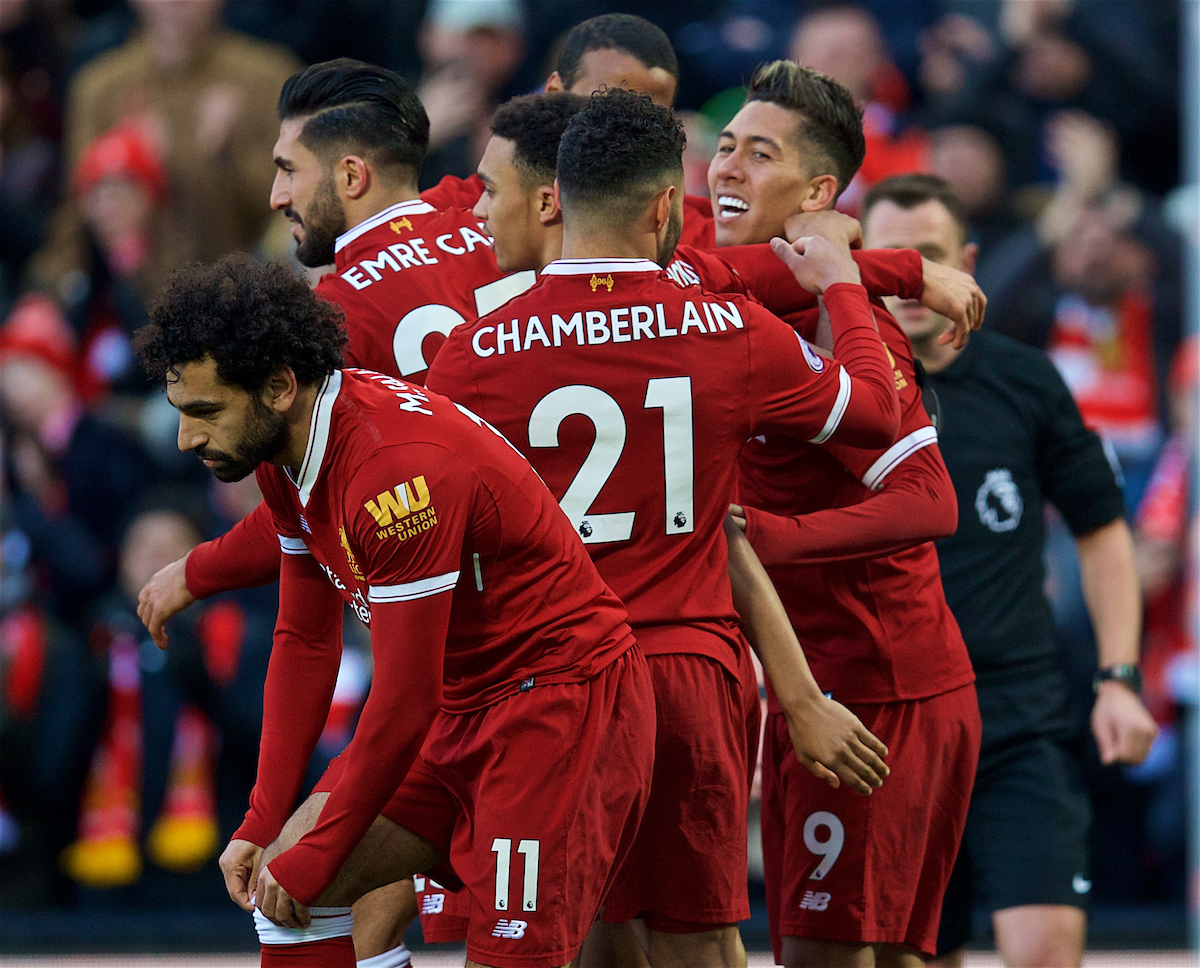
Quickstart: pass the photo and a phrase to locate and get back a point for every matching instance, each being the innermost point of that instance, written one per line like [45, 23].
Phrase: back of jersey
[632, 397]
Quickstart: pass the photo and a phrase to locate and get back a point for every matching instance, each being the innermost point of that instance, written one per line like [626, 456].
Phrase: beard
[666, 249]
[326, 220]
[264, 439]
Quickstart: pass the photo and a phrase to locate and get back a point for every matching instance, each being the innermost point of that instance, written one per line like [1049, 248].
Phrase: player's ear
[353, 176]
[554, 83]
[662, 206]
[969, 257]
[819, 193]
[280, 390]
[546, 198]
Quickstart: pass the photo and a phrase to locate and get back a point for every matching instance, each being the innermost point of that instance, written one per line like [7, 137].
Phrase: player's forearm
[1111, 591]
[245, 556]
[913, 507]
[766, 625]
[872, 413]
[890, 272]
[408, 642]
[301, 675]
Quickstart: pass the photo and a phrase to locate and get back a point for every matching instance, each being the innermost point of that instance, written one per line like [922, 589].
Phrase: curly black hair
[352, 104]
[616, 31]
[535, 123]
[249, 317]
[622, 146]
[829, 126]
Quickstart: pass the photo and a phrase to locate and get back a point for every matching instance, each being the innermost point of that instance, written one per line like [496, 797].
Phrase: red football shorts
[687, 869]
[840, 866]
[445, 915]
[535, 799]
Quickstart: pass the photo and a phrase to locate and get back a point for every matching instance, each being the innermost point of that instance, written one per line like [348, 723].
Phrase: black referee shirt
[1012, 438]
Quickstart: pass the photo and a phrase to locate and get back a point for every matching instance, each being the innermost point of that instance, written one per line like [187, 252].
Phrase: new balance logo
[509, 929]
[433, 903]
[814, 901]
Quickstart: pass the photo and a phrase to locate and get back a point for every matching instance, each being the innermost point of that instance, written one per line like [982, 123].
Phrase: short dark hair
[621, 147]
[350, 103]
[909, 191]
[830, 123]
[535, 123]
[251, 318]
[616, 31]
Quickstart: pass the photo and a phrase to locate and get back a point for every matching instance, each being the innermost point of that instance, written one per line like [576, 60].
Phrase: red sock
[330, 953]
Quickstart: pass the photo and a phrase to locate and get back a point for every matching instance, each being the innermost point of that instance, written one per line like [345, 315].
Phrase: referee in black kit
[1012, 438]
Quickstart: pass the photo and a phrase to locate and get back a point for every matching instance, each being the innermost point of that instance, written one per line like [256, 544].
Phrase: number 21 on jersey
[672, 395]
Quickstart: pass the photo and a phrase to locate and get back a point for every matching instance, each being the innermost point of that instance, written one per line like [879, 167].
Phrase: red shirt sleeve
[245, 556]
[454, 192]
[804, 395]
[305, 656]
[410, 585]
[916, 503]
[891, 272]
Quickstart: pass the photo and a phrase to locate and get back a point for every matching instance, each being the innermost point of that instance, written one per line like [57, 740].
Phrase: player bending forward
[504, 667]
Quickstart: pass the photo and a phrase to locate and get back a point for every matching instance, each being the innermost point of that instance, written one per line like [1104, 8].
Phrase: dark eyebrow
[195, 406]
[753, 139]
[483, 178]
[281, 162]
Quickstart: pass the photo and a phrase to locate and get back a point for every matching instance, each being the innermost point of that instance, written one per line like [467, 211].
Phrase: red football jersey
[632, 396]
[407, 276]
[403, 494]
[875, 628]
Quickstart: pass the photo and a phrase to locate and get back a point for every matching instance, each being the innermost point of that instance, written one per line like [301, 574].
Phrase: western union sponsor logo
[403, 500]
[409, 527]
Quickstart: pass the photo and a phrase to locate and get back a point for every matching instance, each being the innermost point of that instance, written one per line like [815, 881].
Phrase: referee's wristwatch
[1124, 673]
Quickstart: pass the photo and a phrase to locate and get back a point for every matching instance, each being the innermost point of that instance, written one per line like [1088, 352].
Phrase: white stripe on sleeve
[839, 408]
[293, 546]
[903, 448]
[413, 589]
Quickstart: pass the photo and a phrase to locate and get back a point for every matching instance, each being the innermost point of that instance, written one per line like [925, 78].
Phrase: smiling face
[508, 211]
[304, 191]
[757, 178]
[231, 430]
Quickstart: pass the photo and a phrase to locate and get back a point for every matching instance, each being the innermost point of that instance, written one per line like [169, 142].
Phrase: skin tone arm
[1123, 728]
[828, 738]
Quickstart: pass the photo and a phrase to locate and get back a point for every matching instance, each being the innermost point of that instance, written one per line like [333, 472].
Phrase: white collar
[581, 267]
[318, 437]
[414, 206]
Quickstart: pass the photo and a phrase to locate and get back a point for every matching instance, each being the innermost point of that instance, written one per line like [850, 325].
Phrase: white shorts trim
[413, 589]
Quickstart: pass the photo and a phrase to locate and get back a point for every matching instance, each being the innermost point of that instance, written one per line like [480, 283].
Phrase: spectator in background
[470, 50]
[971, 159]
[1096, 282]
[1016, 62]
[75, 477]
[844, 42]
[206, 97]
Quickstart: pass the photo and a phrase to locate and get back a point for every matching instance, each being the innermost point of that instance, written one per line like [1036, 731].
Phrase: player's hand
[836, 747]
[1124, 730]
[830, 224]
[165, 595]
[956, 295]
[737, 514]
[817, 263]
[239, 865]
[277, 905]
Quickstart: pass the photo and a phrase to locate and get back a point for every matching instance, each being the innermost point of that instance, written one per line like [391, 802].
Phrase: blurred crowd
[137, 135]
